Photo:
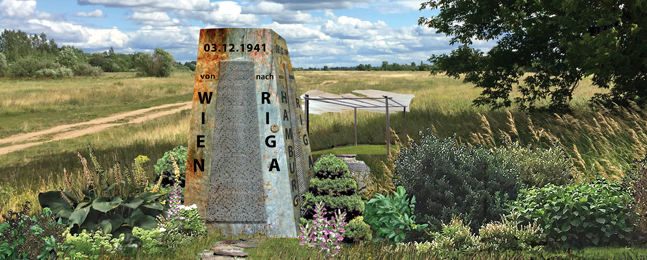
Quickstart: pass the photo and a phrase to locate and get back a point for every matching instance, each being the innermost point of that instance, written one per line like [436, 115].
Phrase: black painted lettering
[270, 143]
[288, 133]
[267, 118]
[210, 76]
[292, 166]
[200, 141]
[285, 115]
[300, 119]
[203, 118]
[290, 151]
[284, 97]
[268, 76]
[295, 200]
[311, 165]
[265, 96]
[198, 164]
[208, 98]
[297, 101]
[305, 140]
[274, 164]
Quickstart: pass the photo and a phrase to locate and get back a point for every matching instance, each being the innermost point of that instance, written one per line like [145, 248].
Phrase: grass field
[598, 142]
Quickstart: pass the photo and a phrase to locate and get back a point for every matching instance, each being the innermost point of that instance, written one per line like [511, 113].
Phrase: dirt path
[93, 126]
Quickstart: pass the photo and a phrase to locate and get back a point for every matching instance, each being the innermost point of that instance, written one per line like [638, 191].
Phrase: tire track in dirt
[96, 125]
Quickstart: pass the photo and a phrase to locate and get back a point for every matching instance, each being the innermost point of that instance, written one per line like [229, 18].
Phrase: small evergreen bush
[577, 216]
[332, 185]
[447, 180]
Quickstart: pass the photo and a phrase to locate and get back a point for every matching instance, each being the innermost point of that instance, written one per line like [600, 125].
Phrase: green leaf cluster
[537, 167]
[390, 217]
[577, 216]
[101, 206]
[451, 180]
[24, 237]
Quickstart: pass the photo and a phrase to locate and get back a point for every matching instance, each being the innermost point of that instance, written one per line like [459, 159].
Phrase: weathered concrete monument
[249, 157]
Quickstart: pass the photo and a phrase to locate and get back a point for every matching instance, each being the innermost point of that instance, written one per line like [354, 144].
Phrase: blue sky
[318, 33]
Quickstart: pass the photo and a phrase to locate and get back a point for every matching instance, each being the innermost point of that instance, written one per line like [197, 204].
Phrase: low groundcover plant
[325, 231]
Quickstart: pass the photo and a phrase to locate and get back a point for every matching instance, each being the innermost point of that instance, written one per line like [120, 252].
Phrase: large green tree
[563, 41]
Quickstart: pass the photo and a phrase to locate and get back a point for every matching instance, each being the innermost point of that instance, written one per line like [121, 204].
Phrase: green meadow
[598, 141]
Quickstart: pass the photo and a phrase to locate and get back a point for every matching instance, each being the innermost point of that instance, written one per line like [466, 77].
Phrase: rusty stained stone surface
[282, 215]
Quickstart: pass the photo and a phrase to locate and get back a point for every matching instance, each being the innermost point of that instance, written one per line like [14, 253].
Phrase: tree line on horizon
[34, 56]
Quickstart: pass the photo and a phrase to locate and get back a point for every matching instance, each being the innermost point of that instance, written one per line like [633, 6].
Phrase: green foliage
[358, 231]
[555, 40]
[507, 235]
[160, 64]
[29, 65]
[191, 65]
[60, 72]
[24, 237]
[92, 244]
[4, 68]
[67, 57]
[456, 180]
[17, 44]
[537, 167]
[164, 169]
[100, 206]
[333, 186]
[85, 69]
[330, 164]
[455, 237]
[635, 185]
[392, 217]
[576, 216]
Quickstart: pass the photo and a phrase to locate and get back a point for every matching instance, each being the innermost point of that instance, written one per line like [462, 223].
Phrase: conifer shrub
[447, 180]
[332, 185]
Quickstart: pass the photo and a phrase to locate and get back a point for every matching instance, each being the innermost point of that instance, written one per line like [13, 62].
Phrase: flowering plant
[325, 232]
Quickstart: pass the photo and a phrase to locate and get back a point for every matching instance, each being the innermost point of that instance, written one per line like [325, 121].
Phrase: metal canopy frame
[342, 101]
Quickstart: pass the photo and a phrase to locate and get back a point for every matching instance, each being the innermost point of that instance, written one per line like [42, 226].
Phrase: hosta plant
[392, 217]
[113, 205]
[578, 215]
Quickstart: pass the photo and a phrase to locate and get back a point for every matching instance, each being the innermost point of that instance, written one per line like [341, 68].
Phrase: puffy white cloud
[353, 28]
[388, 7]
[17, 8]
[294, 33]
[300, 5]
[295, 17]
[170, 37]
[153, 19]
[66, 33]
[264, 8]
[223, 14]
[152, 4]
[96, 13]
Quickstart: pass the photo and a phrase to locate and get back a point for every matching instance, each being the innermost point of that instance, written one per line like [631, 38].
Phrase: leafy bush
[635, 185]
[455, 237]
[507, 235]
[160, 64]
[358, 231]
[85, 69]
[60, 72]
[4, 68]
[164, 169]
[333, 186]
[28, 66]
[537, 167]
[101, 206]
[391, 217]
[456, 180]
[24, 237]
[92, 244]
[67, 57]
[576, 216]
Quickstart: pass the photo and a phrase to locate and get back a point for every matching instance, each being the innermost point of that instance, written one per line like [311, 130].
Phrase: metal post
[388, 133]
[404, 135]
[307, 115]
[355, 126]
